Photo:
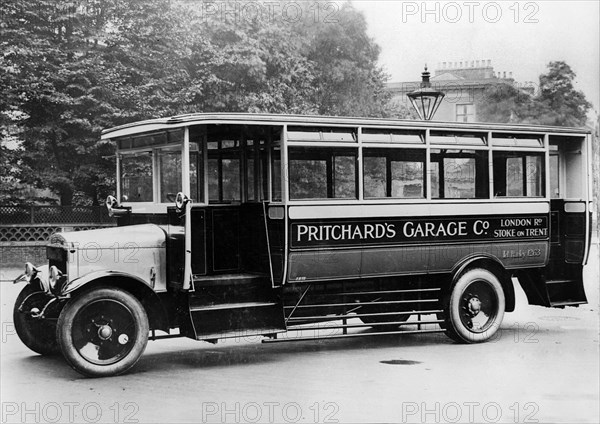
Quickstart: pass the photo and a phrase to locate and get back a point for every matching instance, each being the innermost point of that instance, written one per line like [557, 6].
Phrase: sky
[521, 37]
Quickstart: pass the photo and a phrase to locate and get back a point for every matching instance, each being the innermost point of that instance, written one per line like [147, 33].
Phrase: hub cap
[104, 331]
[478, 306]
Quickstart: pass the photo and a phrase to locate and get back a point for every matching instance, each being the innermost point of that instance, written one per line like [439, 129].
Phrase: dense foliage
[70, 69]
[555, 101]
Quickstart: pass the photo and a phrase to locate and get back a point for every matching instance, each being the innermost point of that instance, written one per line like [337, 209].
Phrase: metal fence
[12, 215]
[28, 224]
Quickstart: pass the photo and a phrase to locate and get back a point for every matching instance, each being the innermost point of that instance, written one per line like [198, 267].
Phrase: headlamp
[55, 275]
[30, 270]
[111, 204]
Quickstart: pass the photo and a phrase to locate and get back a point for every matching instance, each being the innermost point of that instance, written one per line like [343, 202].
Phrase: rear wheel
[37, 334]
[103, 332]
[475, 307]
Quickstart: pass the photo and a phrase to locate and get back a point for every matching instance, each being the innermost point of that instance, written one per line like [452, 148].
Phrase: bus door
[569, 224]
[231, 270]
[237, 174]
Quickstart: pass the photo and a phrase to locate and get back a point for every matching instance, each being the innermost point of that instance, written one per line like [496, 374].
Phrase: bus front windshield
[150, 166]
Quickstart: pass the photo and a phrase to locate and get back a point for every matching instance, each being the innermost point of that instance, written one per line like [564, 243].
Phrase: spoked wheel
[37, 334]
[475, 307]
[103, 332]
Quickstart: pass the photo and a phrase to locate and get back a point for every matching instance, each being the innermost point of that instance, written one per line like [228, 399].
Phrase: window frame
[466, 116]
[394, 154]
[327, 153]
[156, 183]
[523, 155]
[482, 184]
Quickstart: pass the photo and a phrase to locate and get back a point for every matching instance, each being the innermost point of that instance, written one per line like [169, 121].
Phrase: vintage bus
[304, 227]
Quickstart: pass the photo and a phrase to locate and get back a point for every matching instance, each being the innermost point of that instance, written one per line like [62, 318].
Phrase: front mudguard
[41, 305]
[79, 282]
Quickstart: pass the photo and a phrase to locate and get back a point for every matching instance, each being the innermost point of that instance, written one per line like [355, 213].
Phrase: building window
[465, 113]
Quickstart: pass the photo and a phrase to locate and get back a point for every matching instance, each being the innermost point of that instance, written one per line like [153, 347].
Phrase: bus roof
[179, 121]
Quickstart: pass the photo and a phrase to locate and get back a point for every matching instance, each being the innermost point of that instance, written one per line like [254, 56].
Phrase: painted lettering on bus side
[430, 229]
[345, 232]
[399, 230]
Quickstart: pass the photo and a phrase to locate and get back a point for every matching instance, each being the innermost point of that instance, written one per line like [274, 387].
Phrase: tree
[246, 64]
[9, 174]
[504, 103]
[561, 103]
[348, 79]
[70, 69]
[51, 76]
[556, 102]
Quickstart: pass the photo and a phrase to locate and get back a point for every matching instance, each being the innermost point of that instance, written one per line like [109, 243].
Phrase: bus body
[242, 224]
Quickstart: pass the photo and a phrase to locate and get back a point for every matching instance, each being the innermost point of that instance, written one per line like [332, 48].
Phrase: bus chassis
[292, 270]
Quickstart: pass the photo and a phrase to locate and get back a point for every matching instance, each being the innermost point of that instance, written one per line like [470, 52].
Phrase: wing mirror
[181, 200]
[114, 208]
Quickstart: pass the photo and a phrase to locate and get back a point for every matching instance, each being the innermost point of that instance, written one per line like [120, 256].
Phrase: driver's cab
[231, 173]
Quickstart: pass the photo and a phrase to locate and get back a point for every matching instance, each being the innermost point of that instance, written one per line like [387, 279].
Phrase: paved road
[543, 368]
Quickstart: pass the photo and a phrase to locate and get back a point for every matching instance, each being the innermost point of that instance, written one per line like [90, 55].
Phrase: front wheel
[103, 332]
[475, 307]
[37, 334]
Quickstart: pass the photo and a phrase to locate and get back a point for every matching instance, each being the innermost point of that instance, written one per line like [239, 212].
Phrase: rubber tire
[65, 324]
[453, 325]
[37, 334]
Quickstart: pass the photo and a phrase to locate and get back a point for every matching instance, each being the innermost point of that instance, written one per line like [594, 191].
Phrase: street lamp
[426, 100]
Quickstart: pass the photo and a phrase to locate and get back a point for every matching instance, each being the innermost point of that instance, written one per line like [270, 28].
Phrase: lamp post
[426, 100]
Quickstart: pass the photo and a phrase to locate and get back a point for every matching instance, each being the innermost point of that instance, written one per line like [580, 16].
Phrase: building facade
[464, 83]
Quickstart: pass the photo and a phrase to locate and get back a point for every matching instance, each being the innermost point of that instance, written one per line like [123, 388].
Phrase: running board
[343, 336]
[227, 320]
[385, 324]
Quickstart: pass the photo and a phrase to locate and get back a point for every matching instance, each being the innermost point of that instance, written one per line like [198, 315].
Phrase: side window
[256, 159]
[169, 163]
[223, 171]
[518, 174]
[136, 177]
[276, 173]
[398, 173]
[196, 172]
[322, 173]
[554, 175]
[459, 174]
